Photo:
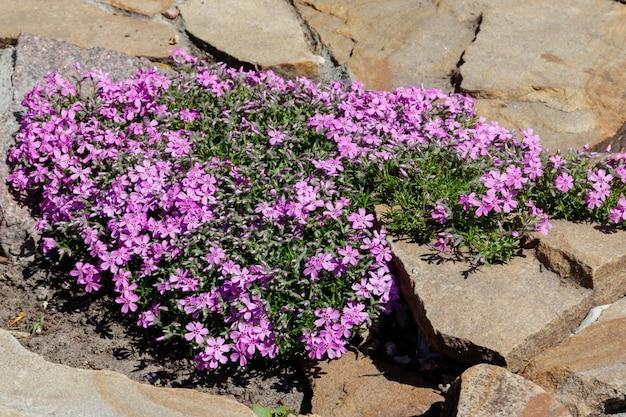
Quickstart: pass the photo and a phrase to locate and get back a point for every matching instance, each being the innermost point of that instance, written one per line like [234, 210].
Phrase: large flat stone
[358, 387]
[261, 32]
[143, 7]
[86, 25]
[32, 387]
[529, 68]
[491, 391]
[591, 257]
[395, 42]
[501, 314]
[587, 372]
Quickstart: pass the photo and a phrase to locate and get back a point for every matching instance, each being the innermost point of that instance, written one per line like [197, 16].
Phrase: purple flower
[276, 137]
[350, 255]
[361, 220]
[439, 214]
[618, 213]
[326, 316]
[214, 354]
[196, 332]
[564, 182]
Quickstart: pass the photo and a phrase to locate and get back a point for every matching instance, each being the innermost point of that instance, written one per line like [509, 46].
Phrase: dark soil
[80, 331]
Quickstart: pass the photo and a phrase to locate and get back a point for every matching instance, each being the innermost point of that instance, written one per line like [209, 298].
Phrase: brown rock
[392, 43]
[491, 391]
[355, 386]
[528, 70]
[261, 32]
[171, 13]
[581, 252]
[143, 7]
[501, 314]
[32, 387]
[587, 372]
[85, 25]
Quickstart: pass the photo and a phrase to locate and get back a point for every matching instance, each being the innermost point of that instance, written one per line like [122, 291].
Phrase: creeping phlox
[233, 209]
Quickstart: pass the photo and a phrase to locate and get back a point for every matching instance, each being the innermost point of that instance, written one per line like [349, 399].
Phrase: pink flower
[196, 332]
[361, 220]
[276, 137]
[350, 255]
[564, 182]
[214, 354]
[618, 213]
[439, 214]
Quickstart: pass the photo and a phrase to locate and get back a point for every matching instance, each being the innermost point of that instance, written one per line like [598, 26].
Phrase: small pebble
[41, 293]
[171, 13]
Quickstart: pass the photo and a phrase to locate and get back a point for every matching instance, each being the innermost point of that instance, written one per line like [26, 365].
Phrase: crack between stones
[315, 40]
[456, 78]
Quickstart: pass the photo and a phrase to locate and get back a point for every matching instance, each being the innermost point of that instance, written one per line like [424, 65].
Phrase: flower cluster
[233, 209]
[458, 182]
[199, 201]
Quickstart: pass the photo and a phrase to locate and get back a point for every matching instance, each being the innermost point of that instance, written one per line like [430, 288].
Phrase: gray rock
[491, 391]
[501, 314]
[34, 57]
[32, 387]
[17, 234]
[37, 55]
[587, 372]
[6, 72]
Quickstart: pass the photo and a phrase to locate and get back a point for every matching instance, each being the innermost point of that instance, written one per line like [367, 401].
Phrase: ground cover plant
[234, 209]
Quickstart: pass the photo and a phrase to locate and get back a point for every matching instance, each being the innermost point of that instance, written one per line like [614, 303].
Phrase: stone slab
[86, 25]
[491, 391]
[393, 43]
[501, 314]
[356, 386]
[261, 32]
[33, 387]
[587, 372]
[555, 66]
[587, 255]
[143, 7]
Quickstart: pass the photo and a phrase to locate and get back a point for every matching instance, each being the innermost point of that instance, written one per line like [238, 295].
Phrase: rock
[592, 258]
[85, 25]
[355, 386]
[528, 70]
[393, 43]
[587, 372]
[143, 7]
[37, 55]
[6, 72]
[32, 387]
[260, 32]
[491, 391]
[501, 314]
[17, 234]
[34, 57]
[171, 13]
